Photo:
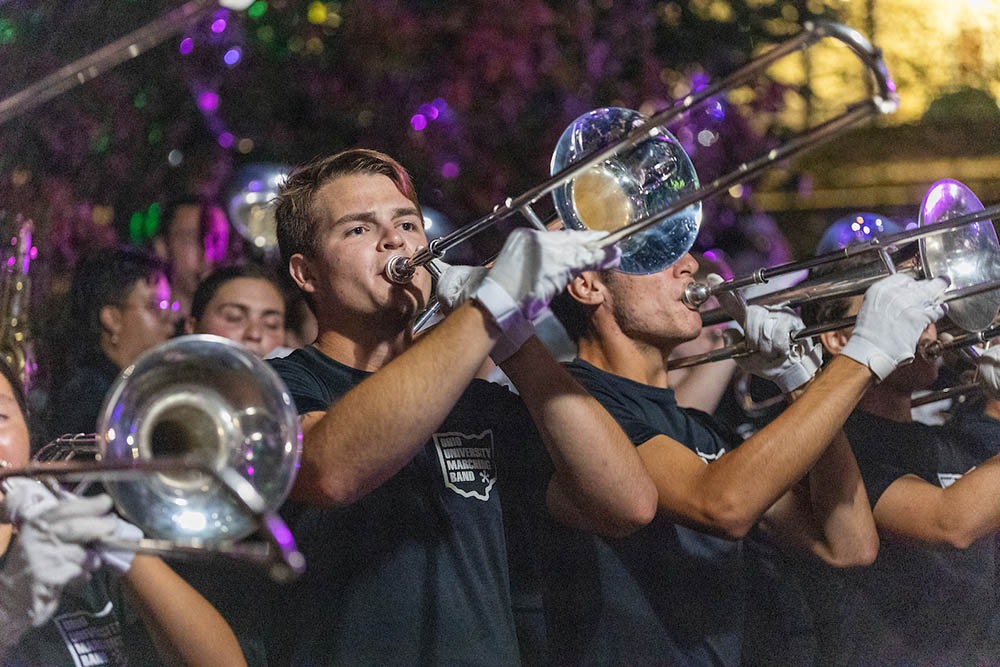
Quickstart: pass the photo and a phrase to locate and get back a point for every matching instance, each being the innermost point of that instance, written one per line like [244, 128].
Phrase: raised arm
[731, 495]
[375, 429]
[599, 482]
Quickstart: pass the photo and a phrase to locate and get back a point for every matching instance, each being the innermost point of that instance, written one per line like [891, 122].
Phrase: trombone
[951, 242]
[198, 443]
[401, 269]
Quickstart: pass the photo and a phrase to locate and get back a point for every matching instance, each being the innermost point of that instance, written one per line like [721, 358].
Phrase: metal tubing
[92, 65]
[885, 101]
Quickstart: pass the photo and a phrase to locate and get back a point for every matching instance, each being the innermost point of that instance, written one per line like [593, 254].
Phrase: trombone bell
[600, 201]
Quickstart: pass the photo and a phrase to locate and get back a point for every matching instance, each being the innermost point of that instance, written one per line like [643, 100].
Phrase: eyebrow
[369, 216]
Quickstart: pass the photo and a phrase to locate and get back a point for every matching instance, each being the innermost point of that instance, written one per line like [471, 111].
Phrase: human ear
[110, 318]
[301, 271]
[587, 288]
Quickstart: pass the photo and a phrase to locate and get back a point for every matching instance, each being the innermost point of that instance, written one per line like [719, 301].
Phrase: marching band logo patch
[467, 463]
[92, 639]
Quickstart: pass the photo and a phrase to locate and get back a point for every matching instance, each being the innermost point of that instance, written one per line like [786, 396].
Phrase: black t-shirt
[916, 604]
[95, 624]
[76, 402]
[415, 572]
[666, 595]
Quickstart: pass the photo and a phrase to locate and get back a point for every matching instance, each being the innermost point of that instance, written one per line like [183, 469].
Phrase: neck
[887, 402]
[6, 531]
[626, 358]
[366, 350]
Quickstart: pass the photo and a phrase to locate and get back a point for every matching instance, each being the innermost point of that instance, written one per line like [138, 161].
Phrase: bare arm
[599, 482]
[968, 510]
[701, 387]
[379, 426]
[186, 629]
[729, 496]
[827, 513]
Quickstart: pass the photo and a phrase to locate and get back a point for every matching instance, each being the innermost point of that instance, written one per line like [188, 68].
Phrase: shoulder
[314, 380]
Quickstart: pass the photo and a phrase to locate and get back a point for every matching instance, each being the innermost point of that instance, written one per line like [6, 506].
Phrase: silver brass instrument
[952, 242]
[604, 191]
[15, 291]
[198, 443]
[250, 203]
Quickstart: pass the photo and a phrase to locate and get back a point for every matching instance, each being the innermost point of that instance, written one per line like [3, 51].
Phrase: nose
[254, 332]
[686, 265]
[391, 239]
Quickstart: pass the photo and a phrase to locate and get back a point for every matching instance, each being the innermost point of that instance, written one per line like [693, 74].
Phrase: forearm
[186, 629]
[376, 428]
[764, 467]
[829, 515]
[704, 386]
[597, 468]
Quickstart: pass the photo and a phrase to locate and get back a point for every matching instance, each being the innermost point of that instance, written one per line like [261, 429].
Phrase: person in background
[193, 238]
[119, 306]
[241, 303]
[65, 601]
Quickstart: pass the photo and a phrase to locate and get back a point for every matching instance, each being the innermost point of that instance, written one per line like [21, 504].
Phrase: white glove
[768, 332]
[894, 314]
[48, 552]
[454, 288]
[988, 364]
[530, 270]
[118, 558]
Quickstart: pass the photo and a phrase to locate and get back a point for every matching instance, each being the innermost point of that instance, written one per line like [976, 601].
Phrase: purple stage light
[226, 139]
[429, 110]
[187, 45]
[232, 56]
[208, 101]
[418, 122]
[218, 25]
[449, 169]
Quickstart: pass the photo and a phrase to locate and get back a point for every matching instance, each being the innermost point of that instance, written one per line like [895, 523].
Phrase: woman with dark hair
[119, 306]
[241, 303]
[66, 601]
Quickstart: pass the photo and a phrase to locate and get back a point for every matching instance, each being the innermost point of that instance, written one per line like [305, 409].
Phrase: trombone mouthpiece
[399, 270]
[695, 294]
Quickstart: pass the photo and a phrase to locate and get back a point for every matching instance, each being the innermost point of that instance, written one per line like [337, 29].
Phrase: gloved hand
[530, 270]
[455, 286]
[768, 332]
[988, 365]
[895, 312]
[48, 552]
[117, 558]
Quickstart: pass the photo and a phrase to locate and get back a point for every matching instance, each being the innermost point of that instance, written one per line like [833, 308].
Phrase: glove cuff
[811, 359]
[869, 354]
[505, 311]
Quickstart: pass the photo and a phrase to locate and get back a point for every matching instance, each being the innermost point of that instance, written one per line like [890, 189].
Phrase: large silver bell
[209, 400]
[967, 255]
[633, 185]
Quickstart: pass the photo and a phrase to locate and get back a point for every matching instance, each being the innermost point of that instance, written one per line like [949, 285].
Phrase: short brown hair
[294, 216]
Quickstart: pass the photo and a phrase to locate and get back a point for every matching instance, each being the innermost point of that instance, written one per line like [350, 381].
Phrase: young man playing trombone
[672, 593]
[405, 456]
